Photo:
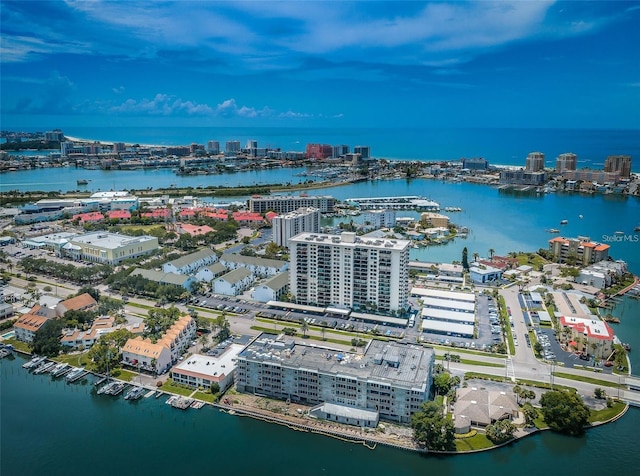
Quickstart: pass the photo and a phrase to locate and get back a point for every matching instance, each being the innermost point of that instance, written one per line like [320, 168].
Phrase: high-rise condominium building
[535, 162]
[293, 223]
[618, 163]
[567, 161]
[349, 271]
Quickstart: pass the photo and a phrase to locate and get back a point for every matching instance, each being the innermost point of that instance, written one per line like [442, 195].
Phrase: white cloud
[162, 105]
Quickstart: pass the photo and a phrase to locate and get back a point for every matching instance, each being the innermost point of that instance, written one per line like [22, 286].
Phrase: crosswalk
[509, 371]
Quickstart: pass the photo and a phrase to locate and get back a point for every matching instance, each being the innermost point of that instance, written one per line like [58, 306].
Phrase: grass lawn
[76, 360]
[473, 362]
[125, 375]
[607, 414]
[591, 380]
[144, 228]
[170, 387]
[477, 442]
[458, 350]
[205, 396]
[18, 345]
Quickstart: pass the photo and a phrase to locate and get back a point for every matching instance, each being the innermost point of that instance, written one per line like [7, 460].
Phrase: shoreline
[341, 432]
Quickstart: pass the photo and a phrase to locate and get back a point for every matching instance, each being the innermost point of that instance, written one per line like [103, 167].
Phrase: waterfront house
[27, 326]
[590, 336]
[143, 354]
[77, 338]
[203, 370]
[483, 274]
[483, 407]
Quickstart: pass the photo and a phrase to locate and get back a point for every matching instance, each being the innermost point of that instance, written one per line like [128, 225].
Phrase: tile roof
[30, 322]
[83, 301]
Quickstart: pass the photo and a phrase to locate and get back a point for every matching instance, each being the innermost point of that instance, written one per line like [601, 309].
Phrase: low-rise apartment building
[389, 379]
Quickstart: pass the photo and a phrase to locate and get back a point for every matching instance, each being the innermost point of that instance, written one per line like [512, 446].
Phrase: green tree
[47, 339]
[93, 292]
[304, 327]
[225, 329]
[564, 412]
[465, 259]
[500, 431]
[530, 414]
[431, 429]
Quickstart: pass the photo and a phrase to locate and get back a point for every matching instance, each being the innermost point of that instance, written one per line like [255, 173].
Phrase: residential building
[208, 273]
[590, 336]
[259, 267]
[83, 302]
[183, 280]
[350, 271]
[618, 163]
[273, 289]
[27, 326]
[565, 162]
[293, 223]
[434, 220]
[589, 175]
[203, 370]
[109, 248]
[157, 357]
[190, 263]
[213, 147]
[535, 162]
[289, 203]
[477, 163]
[483, 407]
[380, 218]
[522, 177]
[318, 151]
[340, 150]
[581, 250]
[6, 309]
[234, 282]
[363, 150]
[77, 338]
[145, 355]
[389, 379]
[232, 147]
[482, 274]
[193, 230]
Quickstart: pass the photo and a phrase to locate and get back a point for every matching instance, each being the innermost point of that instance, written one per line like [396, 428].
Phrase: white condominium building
[289, 203]
[291, 224]
[349, 271]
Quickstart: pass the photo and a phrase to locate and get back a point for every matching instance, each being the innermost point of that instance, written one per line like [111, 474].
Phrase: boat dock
[75, 375]
[181, 403]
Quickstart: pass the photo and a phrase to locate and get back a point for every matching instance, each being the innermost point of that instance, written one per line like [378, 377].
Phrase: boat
[44, 367]
[33, 362]
[626, 347]
[106, 388]
[637, 228]
[197, 404]
[118, 388]
[74, 375]
[564, 222]
[82, 182]
[134, 393]
[619, 233]
[554, 230]
[60, 370]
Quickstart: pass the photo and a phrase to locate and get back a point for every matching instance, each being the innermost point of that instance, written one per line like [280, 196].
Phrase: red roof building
[91, 217]
[249, 218]
[193, 230]
[158, 214]
[119, 215]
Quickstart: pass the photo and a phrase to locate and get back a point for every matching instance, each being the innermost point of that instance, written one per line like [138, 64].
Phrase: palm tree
[491, 252]
[476, 256]
[304, 327]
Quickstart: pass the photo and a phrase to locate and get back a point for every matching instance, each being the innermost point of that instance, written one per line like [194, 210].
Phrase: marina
[75, 375]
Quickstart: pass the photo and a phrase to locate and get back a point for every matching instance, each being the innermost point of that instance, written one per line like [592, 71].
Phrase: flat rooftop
[466, 306]
[210, 367]
[447, 315]
[389, 363]
[351, 240]
[110, 240]
[450, 328]
[569, 305]
[439, 294]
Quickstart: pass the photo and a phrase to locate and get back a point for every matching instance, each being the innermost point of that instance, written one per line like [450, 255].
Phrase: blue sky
[320, 64]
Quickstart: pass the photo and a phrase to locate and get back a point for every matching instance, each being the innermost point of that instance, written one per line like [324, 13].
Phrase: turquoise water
[57, 429]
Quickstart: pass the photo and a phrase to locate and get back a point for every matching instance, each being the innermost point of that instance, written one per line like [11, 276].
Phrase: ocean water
[498, 146]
